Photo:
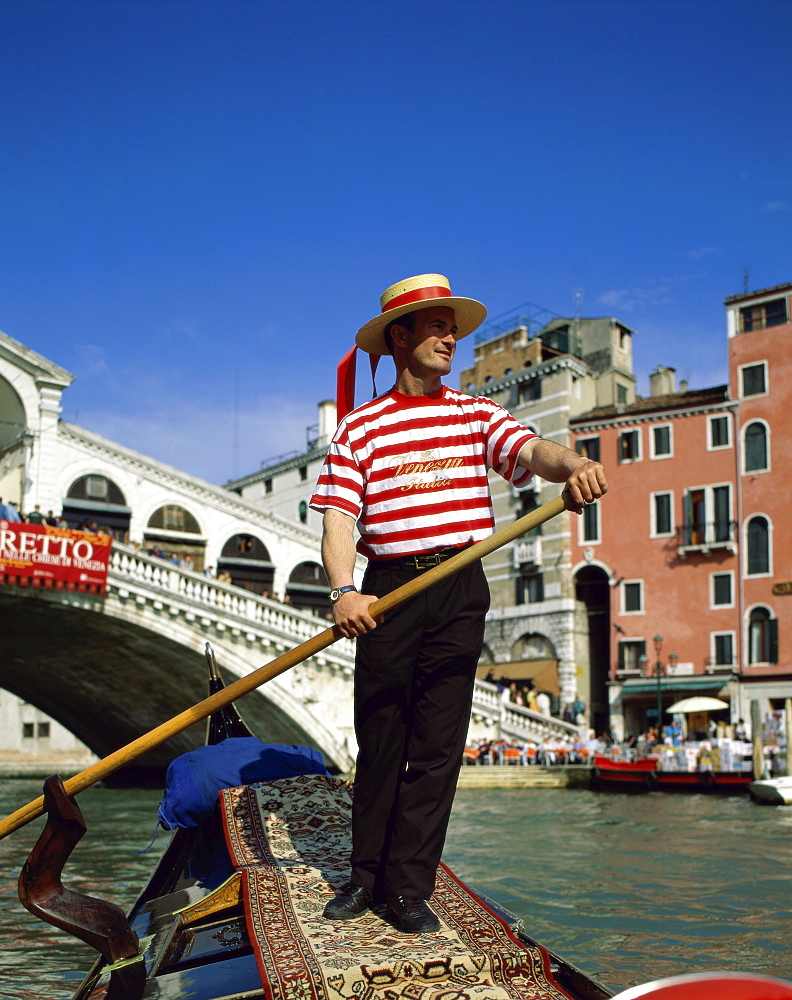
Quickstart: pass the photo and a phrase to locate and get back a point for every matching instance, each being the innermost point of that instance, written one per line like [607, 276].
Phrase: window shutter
[772, 636]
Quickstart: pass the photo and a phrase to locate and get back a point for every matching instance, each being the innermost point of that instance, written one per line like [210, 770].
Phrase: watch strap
[336, 592]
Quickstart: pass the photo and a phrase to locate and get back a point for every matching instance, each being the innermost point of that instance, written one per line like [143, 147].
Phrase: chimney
[327, 422]
[662, 381]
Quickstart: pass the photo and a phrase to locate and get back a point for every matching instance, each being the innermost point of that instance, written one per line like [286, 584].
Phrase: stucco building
[686, 566]
[546, 370]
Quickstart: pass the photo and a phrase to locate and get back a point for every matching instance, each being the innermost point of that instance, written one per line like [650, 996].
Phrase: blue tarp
[194, 779]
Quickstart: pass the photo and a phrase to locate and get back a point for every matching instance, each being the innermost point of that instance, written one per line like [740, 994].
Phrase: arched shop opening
[173, 533]
[246, 559]
[96, 503]
[308, 588]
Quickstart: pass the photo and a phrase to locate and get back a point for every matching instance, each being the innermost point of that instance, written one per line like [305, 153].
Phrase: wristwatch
[338, 591]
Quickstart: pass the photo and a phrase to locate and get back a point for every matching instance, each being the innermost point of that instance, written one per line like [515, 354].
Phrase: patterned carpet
[291, 840]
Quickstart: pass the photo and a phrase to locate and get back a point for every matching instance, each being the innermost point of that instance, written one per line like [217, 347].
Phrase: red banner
[39, 555]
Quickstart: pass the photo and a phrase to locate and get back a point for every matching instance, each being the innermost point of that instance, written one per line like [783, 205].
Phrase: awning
[695, 682]
[100, 505]
[544, 673]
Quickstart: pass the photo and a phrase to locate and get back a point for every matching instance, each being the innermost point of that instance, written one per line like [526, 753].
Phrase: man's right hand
[351, 615]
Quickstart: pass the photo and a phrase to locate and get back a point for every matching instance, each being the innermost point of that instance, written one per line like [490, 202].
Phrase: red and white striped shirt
[412, 470]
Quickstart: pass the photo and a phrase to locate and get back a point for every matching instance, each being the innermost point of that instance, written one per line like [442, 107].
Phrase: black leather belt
[422, 560]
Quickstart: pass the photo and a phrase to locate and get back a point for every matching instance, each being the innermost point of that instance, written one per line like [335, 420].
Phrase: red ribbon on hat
[417, 295]
[345, 381]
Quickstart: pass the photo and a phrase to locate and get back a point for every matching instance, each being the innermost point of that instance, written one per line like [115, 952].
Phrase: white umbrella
[698, 704]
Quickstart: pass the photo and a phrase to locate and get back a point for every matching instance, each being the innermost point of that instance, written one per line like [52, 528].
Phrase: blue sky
[201, 200]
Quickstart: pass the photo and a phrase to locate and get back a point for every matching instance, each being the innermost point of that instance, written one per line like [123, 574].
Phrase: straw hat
[421, 292]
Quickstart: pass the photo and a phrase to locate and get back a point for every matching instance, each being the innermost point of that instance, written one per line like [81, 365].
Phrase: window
[309, 574]
[707, 516]
[661, 441]
[758, 544]
[303, 473]
[43, 730]
[695, 518]
[302, 510]
[721, 502]
[529, 502]
[629, 446]
[762, 637]
[772, 313]
[754, 379]
[588, 448]
[632, 597]
[721, 593]
[719, 432]
[530, 588]
[630, 653]
[268, 486]
[756, 447]
[28, 730]
[96, 487]
[621, 395]
[529, 391]
[662, 514]
[591, 522]
[723, 649]
[173, 518]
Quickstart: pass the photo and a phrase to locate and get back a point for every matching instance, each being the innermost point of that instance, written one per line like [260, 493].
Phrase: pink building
[685, 568]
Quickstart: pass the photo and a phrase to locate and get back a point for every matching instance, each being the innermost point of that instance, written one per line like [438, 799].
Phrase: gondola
[195, 933]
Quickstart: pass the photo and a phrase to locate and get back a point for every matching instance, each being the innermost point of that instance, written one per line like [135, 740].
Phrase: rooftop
[669, 401]
[787, 286]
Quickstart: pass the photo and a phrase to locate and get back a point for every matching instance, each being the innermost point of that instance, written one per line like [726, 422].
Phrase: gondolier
[409, 469]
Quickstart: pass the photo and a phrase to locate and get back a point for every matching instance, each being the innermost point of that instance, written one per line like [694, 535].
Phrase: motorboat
[772, 791]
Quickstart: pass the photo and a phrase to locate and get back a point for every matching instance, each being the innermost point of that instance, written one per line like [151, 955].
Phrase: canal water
[628, 888]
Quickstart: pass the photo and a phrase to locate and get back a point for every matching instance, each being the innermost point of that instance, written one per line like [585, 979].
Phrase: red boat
[643, 775]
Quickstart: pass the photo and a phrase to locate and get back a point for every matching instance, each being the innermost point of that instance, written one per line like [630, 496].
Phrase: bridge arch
[112, 668]
[13, 419]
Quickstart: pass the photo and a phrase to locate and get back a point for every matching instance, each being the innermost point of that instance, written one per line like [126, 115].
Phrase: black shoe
[352, 901]
[413, 914]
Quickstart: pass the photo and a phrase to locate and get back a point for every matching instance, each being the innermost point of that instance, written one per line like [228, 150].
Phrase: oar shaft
[149, 741]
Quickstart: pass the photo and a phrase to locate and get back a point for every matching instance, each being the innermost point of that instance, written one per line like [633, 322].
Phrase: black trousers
[414, 677]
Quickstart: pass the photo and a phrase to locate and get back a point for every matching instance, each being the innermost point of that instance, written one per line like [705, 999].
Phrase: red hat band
[417, 295]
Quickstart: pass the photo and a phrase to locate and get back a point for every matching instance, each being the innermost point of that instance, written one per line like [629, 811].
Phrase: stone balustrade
[224, 600]
[494, 718]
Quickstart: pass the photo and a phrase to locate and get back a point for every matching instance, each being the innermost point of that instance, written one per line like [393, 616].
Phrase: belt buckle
[427, 560]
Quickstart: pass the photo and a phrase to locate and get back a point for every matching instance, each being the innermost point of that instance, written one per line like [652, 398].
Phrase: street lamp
[659, 670]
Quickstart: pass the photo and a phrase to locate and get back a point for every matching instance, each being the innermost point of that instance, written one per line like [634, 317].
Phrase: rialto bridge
[110, 668]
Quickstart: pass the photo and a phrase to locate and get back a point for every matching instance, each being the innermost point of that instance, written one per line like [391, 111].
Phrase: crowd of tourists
[545, 753]
[525, 694]
[10, 511]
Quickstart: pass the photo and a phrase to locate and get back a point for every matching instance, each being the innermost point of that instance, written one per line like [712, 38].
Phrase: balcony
[704, 537]
[527, 552]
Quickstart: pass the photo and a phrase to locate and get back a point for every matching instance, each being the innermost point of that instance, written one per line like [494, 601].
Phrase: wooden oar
[151, 740]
